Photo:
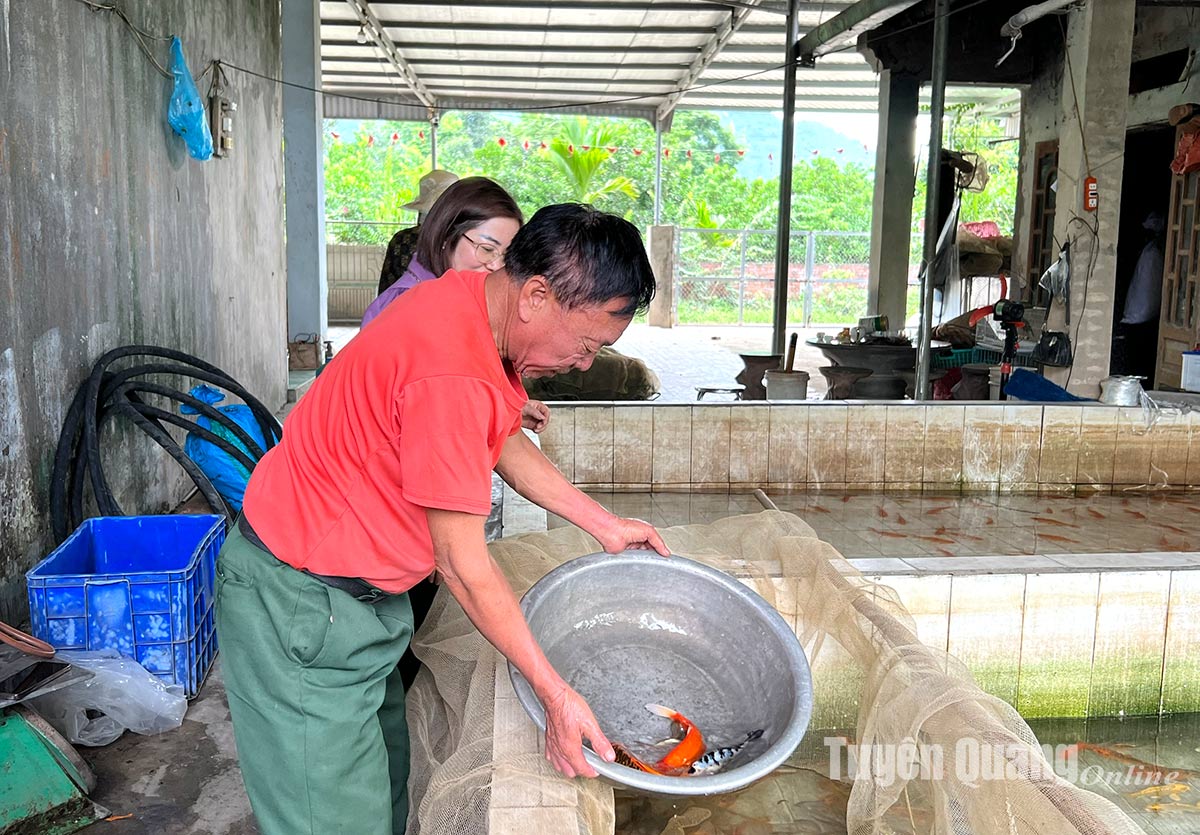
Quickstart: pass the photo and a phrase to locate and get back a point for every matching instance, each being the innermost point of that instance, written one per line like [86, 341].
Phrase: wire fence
[722, 276]
[727, 276]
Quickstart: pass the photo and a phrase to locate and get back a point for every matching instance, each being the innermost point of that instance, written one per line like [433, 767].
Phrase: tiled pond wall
[873, 446]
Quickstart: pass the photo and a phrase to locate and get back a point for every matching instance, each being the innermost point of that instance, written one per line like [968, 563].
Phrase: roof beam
[707, 55]
[533, 65]
[690, 6]
[490, 83]
[519, 28]
[413, 46]
[371, 25]
[662, 85]
[846, 26]
[566, 96]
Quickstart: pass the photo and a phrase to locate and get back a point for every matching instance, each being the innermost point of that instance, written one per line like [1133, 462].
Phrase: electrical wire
[139, 35]
[1093, 257]
[1078, 114]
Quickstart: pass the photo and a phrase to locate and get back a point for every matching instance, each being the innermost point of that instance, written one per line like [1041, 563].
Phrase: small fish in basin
[688, 757]
[718, 758]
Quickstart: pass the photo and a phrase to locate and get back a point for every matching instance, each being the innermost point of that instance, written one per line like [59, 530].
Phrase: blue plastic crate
[142, 585]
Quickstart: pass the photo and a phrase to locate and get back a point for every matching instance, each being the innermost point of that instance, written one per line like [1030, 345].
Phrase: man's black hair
[587, 257]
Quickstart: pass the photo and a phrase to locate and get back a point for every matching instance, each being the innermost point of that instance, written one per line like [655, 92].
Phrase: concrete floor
[183, 782]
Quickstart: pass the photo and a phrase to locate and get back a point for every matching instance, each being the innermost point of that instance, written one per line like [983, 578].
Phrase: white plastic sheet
[121, 695]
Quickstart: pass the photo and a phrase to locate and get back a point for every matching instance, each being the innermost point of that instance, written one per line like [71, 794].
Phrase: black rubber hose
[180, 356]
[191, 427]
[202, 371]
[120, 378]
[107, 412]
[159, 436]
[78, 446]
[104, 499]
[111, 409]
[270, 427]
[66, 484]
[129, 389]
[63, 475]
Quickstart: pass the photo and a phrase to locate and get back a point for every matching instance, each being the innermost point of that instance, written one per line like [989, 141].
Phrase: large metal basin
[635, 628]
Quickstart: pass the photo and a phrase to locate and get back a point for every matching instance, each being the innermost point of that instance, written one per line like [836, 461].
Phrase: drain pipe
[1023, 18]
[1012, 29]
[937, 106]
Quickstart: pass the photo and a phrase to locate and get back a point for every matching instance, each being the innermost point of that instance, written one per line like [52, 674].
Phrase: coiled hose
[108, 394]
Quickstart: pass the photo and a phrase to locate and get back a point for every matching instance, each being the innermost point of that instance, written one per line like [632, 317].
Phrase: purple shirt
[414, 275]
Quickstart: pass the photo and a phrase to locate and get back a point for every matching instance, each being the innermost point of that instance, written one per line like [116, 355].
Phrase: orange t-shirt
[411, 414]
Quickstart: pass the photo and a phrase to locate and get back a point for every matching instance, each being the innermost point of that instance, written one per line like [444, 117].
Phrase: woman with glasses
[468, 229]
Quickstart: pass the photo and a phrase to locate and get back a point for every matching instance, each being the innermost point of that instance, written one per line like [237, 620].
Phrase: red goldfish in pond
[690, 749]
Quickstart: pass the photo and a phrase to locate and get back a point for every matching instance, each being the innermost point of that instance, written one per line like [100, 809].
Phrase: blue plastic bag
[226, 473]
[185, 112]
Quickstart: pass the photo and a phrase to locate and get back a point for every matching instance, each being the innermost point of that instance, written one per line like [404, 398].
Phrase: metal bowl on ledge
[634, 628]
[880, 357]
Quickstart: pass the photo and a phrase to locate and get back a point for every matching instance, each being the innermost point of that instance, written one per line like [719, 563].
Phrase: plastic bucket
[786, 385]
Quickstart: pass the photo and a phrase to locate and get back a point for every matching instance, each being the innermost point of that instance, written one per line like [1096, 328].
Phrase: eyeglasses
[489, 254]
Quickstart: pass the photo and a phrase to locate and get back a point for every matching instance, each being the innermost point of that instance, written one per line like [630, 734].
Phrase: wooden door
[1179, 328]
[1041, 228]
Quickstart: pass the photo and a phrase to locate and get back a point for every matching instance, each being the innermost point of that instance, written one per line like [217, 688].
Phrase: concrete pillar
[660, 246]
[303, 170]
[895, 184]
[1092, 143]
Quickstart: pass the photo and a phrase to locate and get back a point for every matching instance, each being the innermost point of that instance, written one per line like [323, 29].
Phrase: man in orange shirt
[383, 476]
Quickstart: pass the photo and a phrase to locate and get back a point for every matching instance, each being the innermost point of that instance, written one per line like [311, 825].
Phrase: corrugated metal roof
[622, 57]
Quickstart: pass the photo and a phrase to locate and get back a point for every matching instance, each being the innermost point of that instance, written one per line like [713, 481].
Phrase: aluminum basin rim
[736, 778]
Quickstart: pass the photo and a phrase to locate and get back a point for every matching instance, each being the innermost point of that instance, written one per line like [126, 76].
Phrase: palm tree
[581, 167]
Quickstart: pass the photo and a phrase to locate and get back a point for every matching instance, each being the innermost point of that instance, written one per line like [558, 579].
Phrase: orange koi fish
[630, 761]
[690, 749]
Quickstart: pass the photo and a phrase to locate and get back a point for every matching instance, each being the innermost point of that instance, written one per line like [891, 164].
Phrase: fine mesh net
[477, 767]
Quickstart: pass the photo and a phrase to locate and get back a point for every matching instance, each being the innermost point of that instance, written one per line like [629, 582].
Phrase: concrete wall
[1048, 113]
[111, 235]
[1158, 31]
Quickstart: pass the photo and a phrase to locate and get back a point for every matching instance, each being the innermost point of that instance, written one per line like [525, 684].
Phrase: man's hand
[569, 721]
[535, 415]
[619, 534]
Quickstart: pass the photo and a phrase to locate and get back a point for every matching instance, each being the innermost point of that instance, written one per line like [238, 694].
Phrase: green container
[38, 790]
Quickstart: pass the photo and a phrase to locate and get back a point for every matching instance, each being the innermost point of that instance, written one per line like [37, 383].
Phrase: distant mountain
[762, 131]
